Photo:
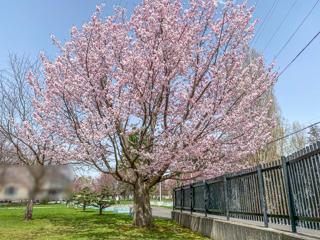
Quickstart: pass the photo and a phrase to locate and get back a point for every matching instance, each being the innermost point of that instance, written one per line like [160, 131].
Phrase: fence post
[262, 196]
[181, 199]
[225, 185]
[173, 199]
[191, 198]
[287, 184]
[206, 198]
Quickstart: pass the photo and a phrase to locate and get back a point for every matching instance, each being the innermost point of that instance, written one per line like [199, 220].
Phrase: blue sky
[26, 26]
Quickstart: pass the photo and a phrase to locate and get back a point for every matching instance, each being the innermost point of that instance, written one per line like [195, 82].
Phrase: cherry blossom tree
[81, 182]
[26, 142]
[168, 92]
[117, 189]
[105, 190]
[108, 184]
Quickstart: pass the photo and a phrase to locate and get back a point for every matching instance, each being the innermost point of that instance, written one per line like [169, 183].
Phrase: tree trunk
[84, 205]
[142, 215]
[29, 210]
[100, 210]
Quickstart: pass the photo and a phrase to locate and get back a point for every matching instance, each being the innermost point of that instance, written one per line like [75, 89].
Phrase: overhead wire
[280, 25]
[268, 15]
[294, 59]
[257, 3]
[295, 132]
[287, 66]
[296, 30]
[301, 51]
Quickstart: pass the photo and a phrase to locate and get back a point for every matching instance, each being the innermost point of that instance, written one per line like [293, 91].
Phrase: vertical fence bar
[262, 196]
[181, 199]
[191, 198]
[174, 199]
[226, 200]
[287, 184]
[206, 198]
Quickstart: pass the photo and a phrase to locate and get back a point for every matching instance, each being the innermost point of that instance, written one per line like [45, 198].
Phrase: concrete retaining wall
[227, 230]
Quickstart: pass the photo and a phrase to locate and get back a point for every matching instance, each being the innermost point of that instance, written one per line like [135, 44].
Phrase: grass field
[59, 222]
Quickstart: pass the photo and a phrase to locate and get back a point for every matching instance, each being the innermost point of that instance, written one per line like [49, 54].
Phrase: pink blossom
[178, 78]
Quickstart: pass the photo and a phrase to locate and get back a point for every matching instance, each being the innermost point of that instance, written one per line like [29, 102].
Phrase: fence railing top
[271, 165]
[242, 173]
[304, 153]
[199, 183]
[215, 180]
[186, 186]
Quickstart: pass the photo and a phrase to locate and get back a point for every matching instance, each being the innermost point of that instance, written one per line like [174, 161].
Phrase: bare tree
[314, 134]
[298, 140]
[23, 140]
[6, 154]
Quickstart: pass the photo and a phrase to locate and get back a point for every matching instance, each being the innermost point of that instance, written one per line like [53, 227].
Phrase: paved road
[161, 212]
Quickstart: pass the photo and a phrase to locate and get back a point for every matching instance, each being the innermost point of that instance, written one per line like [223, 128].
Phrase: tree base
[29, 211]
[142, 215]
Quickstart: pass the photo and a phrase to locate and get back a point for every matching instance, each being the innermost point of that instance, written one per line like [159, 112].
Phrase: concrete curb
[227, 230]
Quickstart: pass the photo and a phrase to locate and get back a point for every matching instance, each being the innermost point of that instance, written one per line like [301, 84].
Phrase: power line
[295, 132]
[263, 26]
[280, 25]
[126, 4]
[257, 3]
[297, 29]
[301, 51]
[269, 14]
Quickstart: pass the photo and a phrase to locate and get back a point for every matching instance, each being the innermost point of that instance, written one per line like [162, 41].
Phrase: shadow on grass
[64, 223]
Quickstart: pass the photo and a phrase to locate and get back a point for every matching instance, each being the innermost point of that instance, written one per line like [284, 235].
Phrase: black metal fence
[285, 192]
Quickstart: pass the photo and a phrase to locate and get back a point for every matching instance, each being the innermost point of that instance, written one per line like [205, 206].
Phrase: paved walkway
[161, 212]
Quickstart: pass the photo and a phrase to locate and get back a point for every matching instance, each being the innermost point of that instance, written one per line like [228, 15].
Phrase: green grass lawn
[60, 222]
